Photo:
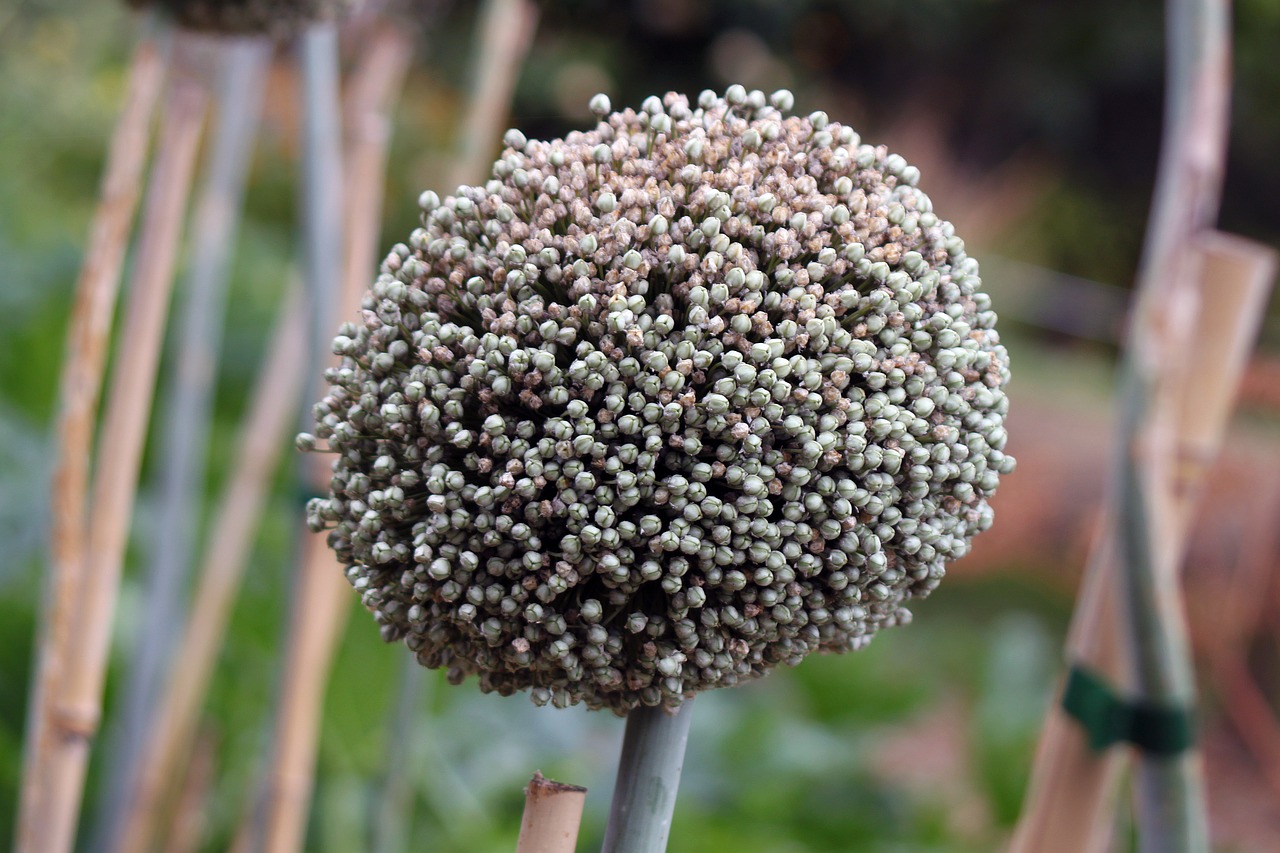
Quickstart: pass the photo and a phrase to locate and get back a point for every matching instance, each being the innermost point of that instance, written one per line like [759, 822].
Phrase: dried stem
[552, 815]
[79, 388]
[262, 438]
[506, 32]
[78, 702]
[215, 222]
[644, 796]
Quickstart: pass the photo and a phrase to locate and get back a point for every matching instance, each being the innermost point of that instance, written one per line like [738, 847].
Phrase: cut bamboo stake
[321, 599]
[78, 702]
[322, 593]
[244, 62]
[79, 388]
[552, 816]
[263, 436]
[506, 32]
[1070, 800]
[644, 796]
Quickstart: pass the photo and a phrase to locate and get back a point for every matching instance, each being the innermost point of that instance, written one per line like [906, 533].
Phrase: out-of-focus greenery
[920, 743]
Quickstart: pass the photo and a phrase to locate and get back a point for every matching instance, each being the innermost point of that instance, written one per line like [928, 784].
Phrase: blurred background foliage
[1036, 128]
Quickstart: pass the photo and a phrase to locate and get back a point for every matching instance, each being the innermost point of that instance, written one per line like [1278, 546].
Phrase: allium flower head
[277, 17]
[662, 405]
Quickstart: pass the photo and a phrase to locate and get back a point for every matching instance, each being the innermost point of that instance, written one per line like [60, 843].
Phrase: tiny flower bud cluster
[663, 405]
[277, 17]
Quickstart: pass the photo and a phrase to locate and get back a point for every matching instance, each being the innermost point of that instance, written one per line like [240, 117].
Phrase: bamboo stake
[193, 796]
[262, 439]
[79, 700]
[644, 796]
[79, 388]
[321, 596]
[1170, 796]
[1147, 532]
[552, 815]
[322, 593]
[244, 62]
[506, 33]
[373, 89]
[504, 45]
[1070, 800]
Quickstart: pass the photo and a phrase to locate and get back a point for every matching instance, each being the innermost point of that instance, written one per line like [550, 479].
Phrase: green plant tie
[1156, 728]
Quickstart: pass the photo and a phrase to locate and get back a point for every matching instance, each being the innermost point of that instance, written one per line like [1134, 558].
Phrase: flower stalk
[644, 795]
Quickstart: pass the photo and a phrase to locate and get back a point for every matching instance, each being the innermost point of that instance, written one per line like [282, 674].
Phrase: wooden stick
[552, 815]
[373, 92]
[79, 388]
[79, 701]
[244, 62]
[322, 598]
[644, 796]
[506, 33]
[322, 595]
[263, 437]
[1185, 205]
[1171, 809]
[487, 104]
[1070, 800]
[193, 797]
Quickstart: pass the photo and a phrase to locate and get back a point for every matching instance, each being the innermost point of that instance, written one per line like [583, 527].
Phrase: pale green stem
[644, 796]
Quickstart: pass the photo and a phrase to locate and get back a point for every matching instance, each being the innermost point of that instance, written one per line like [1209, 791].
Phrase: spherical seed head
[617, 462]
[280, 18]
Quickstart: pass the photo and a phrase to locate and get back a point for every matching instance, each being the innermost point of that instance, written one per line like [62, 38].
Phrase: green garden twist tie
[1156, 728]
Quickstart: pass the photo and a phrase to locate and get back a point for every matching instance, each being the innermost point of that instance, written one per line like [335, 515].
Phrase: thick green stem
[644, 796]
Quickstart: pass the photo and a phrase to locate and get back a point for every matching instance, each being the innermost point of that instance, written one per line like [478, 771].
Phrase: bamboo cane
[262, 438]
[1070, 802]
[215, 221]
[79, 387]
[552, 815]
[192, 798]
[322, 594]
[77, 706]
[506, 33]
[1069, 806]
